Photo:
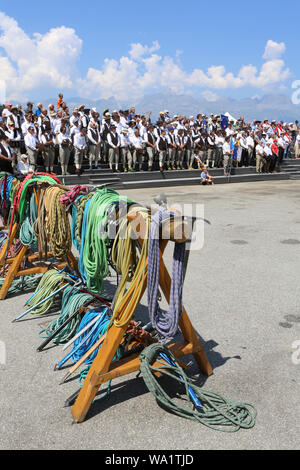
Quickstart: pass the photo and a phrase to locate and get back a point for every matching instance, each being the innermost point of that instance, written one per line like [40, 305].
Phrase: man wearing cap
[31, 144]
[65, 145]
[6, 111]
[172, 148]
[150, 143]
[14, 139]
[125, 153]
[6, 155]
[80, 148]
[48, 141]
[94, 145]
[105, 130]
[162, 148]
[113, 141]
[138, 149]
[23, 166]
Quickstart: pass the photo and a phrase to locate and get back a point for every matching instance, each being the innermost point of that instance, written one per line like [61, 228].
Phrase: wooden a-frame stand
[17, 263]
[102, 369]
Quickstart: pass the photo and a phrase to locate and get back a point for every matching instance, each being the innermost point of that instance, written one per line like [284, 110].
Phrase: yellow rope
[131, 267]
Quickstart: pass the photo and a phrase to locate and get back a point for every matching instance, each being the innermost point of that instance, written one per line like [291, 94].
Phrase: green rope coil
[22, 284]
[217, 413]
[72, 300]
[49, 283]
[27, 235]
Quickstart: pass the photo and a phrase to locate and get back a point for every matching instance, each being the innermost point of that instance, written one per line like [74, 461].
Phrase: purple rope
[166, 323]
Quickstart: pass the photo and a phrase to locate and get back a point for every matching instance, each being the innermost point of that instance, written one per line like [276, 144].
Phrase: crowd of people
[128, 141]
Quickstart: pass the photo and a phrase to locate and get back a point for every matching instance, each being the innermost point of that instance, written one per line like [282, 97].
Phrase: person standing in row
[113, 141]
[80, 148]
[48, 141]
[162, 148]
[94, 145]
[31, 145]
[65, 145]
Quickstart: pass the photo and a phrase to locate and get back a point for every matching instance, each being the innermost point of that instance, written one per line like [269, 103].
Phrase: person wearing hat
[227, 153]
[211, 149]
[138, 149]
[105, 130]
[113, 141]
[150, 143]
[172, 148]
[14, 139]
[94, 139]
[125, 153]
[205, 177]
[48, 141]
[201, 144]
[80, 145]
[6, 155]
[189, 148]
[32, 146]
[65, 144]
[23, 166]
[162, 149]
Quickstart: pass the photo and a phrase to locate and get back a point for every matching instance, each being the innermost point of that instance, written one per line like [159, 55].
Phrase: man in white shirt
[113, 141]
[80, 148]
[23, 166]
[227, 152]
[125, 153]
[138, 149]
[162, 148]
[268, 156]
[26, 124]
[260, 154]
[94, 145]
[31, 144]
[250, 144]
[150, 141]
[65, 145]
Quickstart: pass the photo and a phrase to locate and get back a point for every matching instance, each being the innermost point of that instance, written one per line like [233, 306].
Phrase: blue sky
[176, 44]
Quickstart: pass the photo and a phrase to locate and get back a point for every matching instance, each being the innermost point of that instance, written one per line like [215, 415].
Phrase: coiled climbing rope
[49, 283]
[216, 412]
[131, 267]
[72, 300]
[166, 323]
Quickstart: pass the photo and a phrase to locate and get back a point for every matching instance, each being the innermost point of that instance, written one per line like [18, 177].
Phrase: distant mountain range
[274, 106]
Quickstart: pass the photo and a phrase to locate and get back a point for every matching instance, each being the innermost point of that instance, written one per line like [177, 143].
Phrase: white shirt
[61, 137]
[137, 142]
[250, 141]
[267, 150]
[110, 141]
[25, 127]
[30, 141]
[79, 141]
[23, 167]
[91, 138]
[259, 150]
[226, 148]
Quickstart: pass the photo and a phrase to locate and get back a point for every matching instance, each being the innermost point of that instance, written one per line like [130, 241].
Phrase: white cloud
[47, 60]
[50, 61]
[273, 50]
[137, 50]
[209, 96]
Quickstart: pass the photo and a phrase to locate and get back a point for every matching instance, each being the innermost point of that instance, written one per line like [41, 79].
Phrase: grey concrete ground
[242, 294]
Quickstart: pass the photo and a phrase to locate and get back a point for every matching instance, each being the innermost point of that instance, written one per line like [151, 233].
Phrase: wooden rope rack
[103, 369]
